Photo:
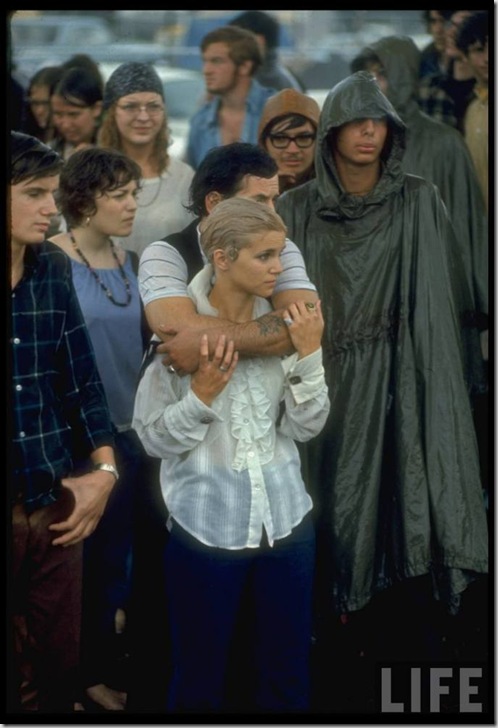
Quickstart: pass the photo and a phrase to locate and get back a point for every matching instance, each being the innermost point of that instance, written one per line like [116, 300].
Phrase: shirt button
[250, 454]
[18, 387]
[295, 380]
[257, 486]
[17, 341]
[246, 421]
[22, 434]
[206, 420]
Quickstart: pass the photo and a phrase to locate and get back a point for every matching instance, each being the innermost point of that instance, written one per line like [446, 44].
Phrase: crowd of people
[249, 388]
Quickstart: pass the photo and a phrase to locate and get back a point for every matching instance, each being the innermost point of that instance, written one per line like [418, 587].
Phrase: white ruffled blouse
[228, 470]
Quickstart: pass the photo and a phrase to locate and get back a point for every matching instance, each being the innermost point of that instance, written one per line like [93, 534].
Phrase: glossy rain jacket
[394, 475]
[438, 153]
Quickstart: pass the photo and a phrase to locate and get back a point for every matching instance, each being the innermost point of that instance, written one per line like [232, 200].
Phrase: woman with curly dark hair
[98, 199]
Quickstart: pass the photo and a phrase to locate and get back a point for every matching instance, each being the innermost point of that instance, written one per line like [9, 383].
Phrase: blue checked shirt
[204, 132]
[59, 407]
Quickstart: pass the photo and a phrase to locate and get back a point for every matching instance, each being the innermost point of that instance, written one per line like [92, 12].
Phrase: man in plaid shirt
[59, 416]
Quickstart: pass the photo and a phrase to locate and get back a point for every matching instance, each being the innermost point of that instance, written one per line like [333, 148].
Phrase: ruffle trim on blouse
[251, 422]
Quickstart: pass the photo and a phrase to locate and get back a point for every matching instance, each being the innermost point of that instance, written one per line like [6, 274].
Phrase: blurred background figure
[287, 131]
[445, 94]
[82, 60]
[472, 41]
[135, 123]
[437, 153]
[231, 58]
[76, 105]
[272, 73]
[16, 100]
[38, 118]
[432, 57]
[97, 197]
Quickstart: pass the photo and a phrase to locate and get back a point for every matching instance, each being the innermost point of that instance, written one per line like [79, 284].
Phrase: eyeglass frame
[133, 109]
[308, 136]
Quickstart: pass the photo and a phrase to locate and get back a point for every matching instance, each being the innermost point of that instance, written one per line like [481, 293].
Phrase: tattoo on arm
[270, 324]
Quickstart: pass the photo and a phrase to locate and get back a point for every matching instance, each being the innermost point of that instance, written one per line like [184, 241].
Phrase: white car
[184, 91]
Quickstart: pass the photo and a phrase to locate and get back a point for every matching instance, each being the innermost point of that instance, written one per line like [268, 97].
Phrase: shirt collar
[204, 258]
[252, 100]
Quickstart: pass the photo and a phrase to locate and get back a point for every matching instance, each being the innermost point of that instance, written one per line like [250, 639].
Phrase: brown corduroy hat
[288, 101]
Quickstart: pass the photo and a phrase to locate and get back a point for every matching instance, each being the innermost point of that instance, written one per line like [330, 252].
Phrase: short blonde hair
[233, 223]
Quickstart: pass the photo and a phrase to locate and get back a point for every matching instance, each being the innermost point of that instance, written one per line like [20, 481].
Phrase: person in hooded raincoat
[394, 473]
[438, 153]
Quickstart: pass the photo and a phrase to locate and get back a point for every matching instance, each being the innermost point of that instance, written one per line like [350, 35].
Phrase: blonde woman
[230, 476]
[135, 123]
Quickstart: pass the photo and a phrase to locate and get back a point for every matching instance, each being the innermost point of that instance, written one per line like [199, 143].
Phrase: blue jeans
[205, 586]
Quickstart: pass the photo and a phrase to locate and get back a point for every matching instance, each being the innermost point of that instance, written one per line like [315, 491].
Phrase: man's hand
[181, 351]
[91, 492]
[305, 322]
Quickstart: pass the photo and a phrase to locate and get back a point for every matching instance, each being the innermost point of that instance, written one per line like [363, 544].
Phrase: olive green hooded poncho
[394, 475]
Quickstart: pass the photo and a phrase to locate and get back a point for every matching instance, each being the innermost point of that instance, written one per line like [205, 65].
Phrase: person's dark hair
[261, 23]
[88, 174]
[223, 170]
[292, 121]
[426, 16]
[31, 158]
[363, 59]
[47, 76]
[79, 87]
[447, 13]
[474, 29]
[242, 45]
[82, 60]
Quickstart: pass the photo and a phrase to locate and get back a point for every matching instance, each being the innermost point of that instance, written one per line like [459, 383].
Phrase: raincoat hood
[400, 58]
[356, 97]
[288, 101]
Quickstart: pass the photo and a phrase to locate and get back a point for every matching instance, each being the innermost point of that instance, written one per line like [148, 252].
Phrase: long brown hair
[110, 138]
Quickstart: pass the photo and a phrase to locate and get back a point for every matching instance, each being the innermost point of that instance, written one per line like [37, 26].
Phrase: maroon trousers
[46, 609]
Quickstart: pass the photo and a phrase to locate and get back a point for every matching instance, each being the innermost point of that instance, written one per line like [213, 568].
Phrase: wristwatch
[108, 467]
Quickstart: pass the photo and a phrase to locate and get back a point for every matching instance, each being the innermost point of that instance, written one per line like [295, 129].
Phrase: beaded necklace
[106, 290]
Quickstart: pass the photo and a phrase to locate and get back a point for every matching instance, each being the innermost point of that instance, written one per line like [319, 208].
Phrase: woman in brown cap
[287, 131]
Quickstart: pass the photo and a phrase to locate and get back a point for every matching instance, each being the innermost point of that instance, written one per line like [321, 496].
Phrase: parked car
[49, 40]
[183, 92]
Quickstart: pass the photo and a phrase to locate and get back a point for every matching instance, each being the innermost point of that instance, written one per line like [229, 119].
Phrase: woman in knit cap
[135, 123]
[287, 131]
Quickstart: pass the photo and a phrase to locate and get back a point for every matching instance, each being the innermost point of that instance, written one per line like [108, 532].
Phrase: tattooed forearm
[270, 324]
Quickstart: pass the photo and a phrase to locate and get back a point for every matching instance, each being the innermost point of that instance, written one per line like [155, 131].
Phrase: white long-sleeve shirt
[227, 470]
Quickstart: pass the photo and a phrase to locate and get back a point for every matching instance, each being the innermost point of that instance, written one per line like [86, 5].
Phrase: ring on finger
[171, 369]
[288, 321]
[223, 369]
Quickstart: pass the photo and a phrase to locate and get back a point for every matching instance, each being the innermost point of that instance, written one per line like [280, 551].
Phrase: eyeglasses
[152, 109]
[282, 141]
